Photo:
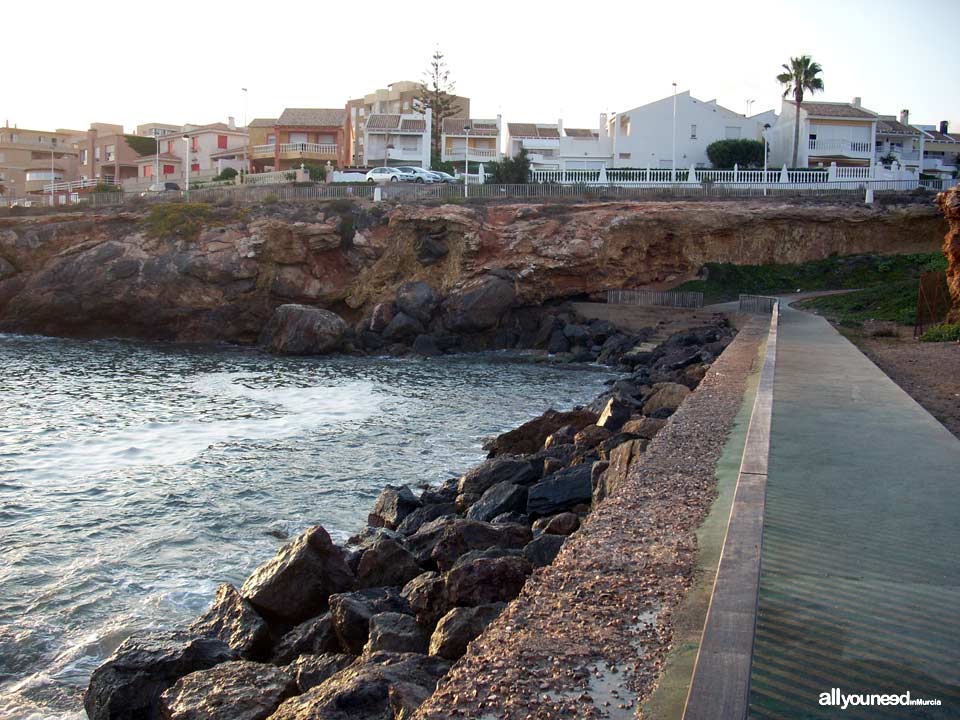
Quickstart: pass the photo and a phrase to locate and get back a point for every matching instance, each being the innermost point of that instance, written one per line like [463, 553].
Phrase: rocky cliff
[180, 272]
[950, 205]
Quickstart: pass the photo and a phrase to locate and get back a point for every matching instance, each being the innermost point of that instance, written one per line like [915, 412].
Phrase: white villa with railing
[398, 139]
[473, 139]
[840, 133]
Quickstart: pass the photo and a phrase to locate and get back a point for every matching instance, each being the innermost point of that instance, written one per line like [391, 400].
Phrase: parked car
[419, 174]
[443, 177]
[389, 174]
[161, 188]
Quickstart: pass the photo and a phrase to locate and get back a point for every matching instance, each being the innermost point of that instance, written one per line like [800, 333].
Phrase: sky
[186, 62]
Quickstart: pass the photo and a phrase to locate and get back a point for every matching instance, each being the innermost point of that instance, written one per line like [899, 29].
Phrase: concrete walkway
[860, 583]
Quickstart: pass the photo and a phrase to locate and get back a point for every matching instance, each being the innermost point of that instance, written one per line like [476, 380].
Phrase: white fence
[670, 298]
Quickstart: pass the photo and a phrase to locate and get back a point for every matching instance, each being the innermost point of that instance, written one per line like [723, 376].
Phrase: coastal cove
[134, 478]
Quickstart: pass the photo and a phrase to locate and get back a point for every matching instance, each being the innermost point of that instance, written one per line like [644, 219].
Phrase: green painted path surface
[860, 583]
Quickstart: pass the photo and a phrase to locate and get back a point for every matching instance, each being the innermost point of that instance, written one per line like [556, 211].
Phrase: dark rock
[622, 459]
[395, 632]
[561, 436]
[577, 334]
[558, 343]
[296, 583]
[425, 593]
[613, 348]
[311, 670]
[530, 437]
[386, 562]
[662, 413]
[426, 345]
[459, 627]
[382, 315]
[441, 542]
[498, 470]
[504, 497]
[615, 414]
[548, 325]
[128, 685]
[362, 690]
[552, 465]
[479, 305]
[393, 504]
[543, 550]
[590, 436]
[352, 612]
[482, 581]
[402, 328]
[443, 493]
[563, 524]
[418, 300]
[560, 491]
[311, 637]
[431, 248]
[596, 470]
[582, 355]
[511, 518]
[665, 396]
[465, 500]
[234, 621]
[238, 690]
[419, 517]
[371, 341]
[489, 553]
[614, 441]
[303, 330]
[406, 698]
[370, 535]
[643, 427]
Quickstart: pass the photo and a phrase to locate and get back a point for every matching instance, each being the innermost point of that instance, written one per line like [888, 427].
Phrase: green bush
[226, 174]
[509, 171]
[724, 154]
[440, 166]
[942, 333]
[178, 219]
[106, 188]
[270, 199]
[142, 145]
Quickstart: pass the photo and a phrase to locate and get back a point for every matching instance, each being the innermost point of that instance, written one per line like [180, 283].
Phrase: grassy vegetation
[181, 220]
[942, 333]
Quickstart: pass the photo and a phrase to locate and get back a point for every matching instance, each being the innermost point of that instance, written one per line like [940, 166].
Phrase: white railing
[315, 148]
[854, 173]
[76, 185]
[269, 178]
[403, 154]
[475, 153]
[263, 149]
[839, 145]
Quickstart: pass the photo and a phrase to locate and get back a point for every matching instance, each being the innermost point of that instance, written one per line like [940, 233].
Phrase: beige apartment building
[399, 98]
[31, 159]
[105, 155]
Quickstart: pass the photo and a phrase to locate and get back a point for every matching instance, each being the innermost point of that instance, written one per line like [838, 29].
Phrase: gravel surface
[928, 372]
[588, 635]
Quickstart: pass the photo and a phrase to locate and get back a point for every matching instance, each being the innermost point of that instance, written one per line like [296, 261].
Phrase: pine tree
[436, 93]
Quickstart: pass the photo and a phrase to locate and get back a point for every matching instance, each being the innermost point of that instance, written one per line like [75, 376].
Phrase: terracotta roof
[313, 117]
[892, 126]
[938, 136]
[147, 159]
[840, 110]
[533, 130]
[580, 132]
[383, 122]
[454, 126]
[548, 132]
[413, 125]
[262, 122]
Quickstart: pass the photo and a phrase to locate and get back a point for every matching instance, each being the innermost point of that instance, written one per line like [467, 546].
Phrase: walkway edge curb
[720, 686]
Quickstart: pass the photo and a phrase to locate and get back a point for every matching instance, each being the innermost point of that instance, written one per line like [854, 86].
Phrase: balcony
[847, 148]
[296, 151]
[540, 143]
[479, 154]
[403, 154]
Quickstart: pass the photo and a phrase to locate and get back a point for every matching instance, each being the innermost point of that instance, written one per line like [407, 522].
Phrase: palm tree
[800, 76]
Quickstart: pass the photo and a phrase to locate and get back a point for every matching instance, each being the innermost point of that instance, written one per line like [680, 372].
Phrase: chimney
[560, 125]
[231, 123]
[943, 127]
[905, 117]
[602, 129]
[856, 101]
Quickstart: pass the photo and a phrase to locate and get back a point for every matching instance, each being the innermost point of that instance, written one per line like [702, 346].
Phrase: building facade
[830, 132]
[156, 130]
[30, 159]
[540, 140]
[474, 140]
[211, 148]
[394, 140]
[897, 141]
[555, 147]
[105, 155]
[309, 136]
[941, 150]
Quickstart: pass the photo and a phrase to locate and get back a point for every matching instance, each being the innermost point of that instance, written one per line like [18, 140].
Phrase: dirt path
[929, 372]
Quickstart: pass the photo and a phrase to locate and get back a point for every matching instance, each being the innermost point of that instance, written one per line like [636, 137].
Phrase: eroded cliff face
[950, 205]
[115, 274]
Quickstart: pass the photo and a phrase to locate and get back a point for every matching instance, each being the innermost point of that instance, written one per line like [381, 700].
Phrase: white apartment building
[830, 132]
[212, 148]
[644, 136]
[540, 140]
[398, 139]
[899, 141]
[479, 144]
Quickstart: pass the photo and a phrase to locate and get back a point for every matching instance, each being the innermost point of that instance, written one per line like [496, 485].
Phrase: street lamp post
[156, 161]
[244, 106]
[466, 161]
[53, 177]
[673, 165]
[186, 165]
[766, 146]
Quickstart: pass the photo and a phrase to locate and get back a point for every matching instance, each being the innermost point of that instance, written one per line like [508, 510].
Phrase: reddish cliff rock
[950, 205]
[115, 273]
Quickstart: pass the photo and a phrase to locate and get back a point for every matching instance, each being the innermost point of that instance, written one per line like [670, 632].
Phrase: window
[624, 156]
[111, 151]
[693, 132]
[168, 170]
[96, 154]
[169, 146]
[195, 167]
[83, 157]
[625, 125]
[271, 139]
[732, 133]
[148, 170]
[195, 143]
[222, 142]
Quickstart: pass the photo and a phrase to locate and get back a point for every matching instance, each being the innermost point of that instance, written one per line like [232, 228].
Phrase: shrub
[509, 171]
[178, 219]
[270, 199]
[226, 174]
[942, 333]
[106, 188]
[724, 154]
[437, 164]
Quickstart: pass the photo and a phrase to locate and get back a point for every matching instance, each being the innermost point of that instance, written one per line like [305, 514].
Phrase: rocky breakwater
[367, 629]
[199, 273]
[949, 202]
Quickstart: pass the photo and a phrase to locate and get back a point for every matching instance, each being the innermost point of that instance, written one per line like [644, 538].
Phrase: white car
[419, 174]
[389, 174]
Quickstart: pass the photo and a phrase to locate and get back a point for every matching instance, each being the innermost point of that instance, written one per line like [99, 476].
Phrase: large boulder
[529, 437]
[543, 550]
[665, 396]
[352, 612]
[386, 562]
[615, 414]
[418, 300]
[303, 330]
[643, 427]
[311, 670]
[402, 328]
[499, 469]
[560, 491]
[486, 580]
[502, 498]
[622, 458]
[441, 542]
[296, 583]
[395, 632]
[479, 305]
[311, 637]
[459, 627]
[234, 621]
[421, 516]
[129, 684]
[425, 593]
[393, 504]
[381, 316]
[563, 524]
[239, 690]
[362, 691]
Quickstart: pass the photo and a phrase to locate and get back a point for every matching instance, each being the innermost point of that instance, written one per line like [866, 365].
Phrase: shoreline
[452, 556]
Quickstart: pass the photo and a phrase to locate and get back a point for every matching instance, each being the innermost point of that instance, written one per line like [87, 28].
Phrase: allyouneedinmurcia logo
[835, 698]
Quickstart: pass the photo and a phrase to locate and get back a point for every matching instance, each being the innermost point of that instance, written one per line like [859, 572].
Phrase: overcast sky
[68, 64]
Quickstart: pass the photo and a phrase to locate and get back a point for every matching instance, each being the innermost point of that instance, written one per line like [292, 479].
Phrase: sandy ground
[929, 372]
[588, 636]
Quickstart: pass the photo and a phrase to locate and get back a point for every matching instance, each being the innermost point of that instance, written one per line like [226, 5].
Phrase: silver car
[389, 174]
[420, 175]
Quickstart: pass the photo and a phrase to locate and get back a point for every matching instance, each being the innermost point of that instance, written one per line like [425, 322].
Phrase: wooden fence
[757, 304]
[669, 298]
